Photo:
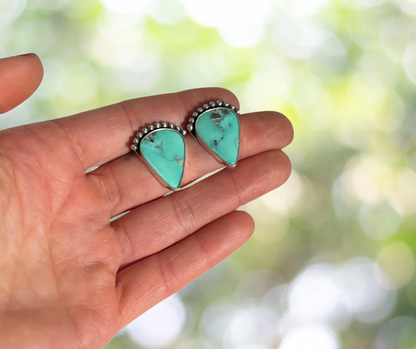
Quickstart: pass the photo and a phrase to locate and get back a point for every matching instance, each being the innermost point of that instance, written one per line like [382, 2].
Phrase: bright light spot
[353, 130]
[369, 3]
[114, 54]
[270, 86]
[199, 66]
[215, 319]
[251, 346]
[276, 299]
[250, 325]
[408, 6]
[314, 295]
[160, 325]
[298, 38]
[10, 10]
[239, 23]
[238, 326]
[167, 12]
[269, 227]
[406, 191]
[395, 34]
[344, 198]
[362, 4]
[383, 311]
[240, 330]
[367, 180]
[311, 336]
[79, 87]
[139, 78]
[195, 343]
[120, 29]
[363, 185]
[363, 294]
[377, 72]
[379, 221]
[367, 97]
[242, 36]
[128, 6]
[409, 61]
[285, 198]
[398, 333]
[301, 8]
[120, 43]
[397, 262]
[228, 12]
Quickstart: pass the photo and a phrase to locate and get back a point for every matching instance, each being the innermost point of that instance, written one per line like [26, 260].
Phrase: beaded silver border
[152, 128]
[193, 119]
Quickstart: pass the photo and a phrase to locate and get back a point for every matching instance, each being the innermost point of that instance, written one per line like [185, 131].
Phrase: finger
[101, 135]
[161, 223]
[119, 179]
[149, 281]
[20, 76]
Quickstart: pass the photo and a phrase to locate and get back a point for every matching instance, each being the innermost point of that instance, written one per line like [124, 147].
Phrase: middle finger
[128, 183]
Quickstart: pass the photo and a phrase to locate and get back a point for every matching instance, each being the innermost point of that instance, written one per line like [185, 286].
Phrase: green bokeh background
[331, 263]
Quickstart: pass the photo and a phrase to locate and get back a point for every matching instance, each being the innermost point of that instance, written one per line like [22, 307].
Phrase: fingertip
[35, 64]
[32, 68]
[271, 170]
[290, 132]
[245, 225]
[20, 76]
[281, 126]
[250, 223]
[285, 166]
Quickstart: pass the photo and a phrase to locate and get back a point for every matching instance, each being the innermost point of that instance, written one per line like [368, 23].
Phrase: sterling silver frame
[153, 128]
[194, 133]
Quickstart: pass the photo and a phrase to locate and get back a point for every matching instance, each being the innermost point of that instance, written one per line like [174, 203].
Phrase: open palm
[70, 278]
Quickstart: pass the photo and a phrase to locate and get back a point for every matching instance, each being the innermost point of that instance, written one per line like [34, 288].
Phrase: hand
[70, 278]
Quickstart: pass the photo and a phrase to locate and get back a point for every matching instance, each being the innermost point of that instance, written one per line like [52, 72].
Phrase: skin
[70, 278]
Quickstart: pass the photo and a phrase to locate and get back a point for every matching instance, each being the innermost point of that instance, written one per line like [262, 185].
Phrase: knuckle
[184, 213]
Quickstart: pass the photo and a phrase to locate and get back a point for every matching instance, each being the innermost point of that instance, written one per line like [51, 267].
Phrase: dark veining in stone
[219, 129]
[216, 118]
[164, 151]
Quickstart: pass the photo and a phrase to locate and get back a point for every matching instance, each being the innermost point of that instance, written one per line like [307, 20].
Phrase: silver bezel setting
[148, 130]
[194, 118]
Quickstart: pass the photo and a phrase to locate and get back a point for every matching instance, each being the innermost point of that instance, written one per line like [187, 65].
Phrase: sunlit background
[331, 264]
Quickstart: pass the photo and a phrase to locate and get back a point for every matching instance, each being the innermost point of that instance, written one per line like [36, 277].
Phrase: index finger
[104, 134]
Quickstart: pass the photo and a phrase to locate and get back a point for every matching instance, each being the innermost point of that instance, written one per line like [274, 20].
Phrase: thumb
[20, 76]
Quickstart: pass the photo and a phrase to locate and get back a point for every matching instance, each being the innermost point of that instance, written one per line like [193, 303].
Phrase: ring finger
[163, 222]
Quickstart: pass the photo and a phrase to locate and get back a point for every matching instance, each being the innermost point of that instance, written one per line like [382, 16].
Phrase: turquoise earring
[161, 147]
[216, 127]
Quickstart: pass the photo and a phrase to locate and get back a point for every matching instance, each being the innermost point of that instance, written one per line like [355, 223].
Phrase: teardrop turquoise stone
[219, 129]
[164, 150]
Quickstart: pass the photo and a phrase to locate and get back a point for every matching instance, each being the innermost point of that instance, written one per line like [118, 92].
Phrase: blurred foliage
[331, 263]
